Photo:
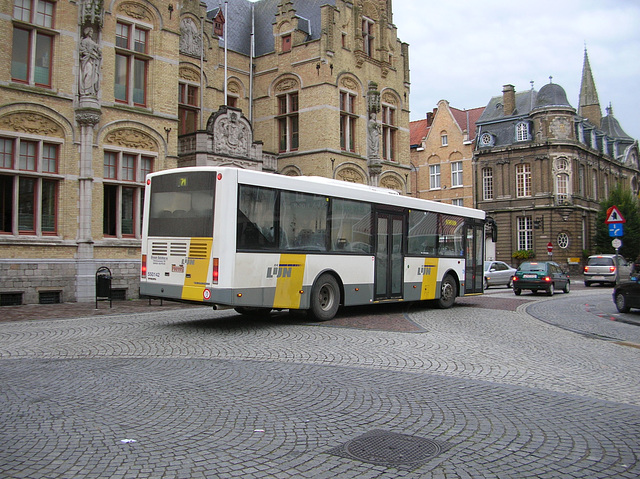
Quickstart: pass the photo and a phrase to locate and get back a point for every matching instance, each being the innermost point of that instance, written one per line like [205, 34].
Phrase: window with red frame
[32, 46]
[123, 192]
[188, 111]
[288, 128]
[131, 56]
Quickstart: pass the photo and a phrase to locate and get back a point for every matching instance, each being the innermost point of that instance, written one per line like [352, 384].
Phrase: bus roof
[332, 187]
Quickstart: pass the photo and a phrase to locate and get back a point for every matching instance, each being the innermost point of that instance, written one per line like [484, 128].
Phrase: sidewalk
[28, 312]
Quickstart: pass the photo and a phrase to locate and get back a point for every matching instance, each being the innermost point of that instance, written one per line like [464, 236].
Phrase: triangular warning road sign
[614, 216]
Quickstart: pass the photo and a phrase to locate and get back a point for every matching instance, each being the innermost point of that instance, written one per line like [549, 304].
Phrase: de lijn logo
[281, 270]
[426, 269]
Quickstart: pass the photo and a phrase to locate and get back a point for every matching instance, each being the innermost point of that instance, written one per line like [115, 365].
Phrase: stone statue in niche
[373, 137]
[90, 60]
[190, 38]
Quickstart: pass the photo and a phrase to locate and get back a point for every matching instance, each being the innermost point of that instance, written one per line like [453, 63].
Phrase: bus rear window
[182, 205]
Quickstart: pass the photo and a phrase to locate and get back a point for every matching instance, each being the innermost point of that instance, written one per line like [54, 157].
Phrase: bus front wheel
[448, 292]
[325, 298]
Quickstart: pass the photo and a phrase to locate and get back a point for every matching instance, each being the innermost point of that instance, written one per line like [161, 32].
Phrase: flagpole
[226, 31]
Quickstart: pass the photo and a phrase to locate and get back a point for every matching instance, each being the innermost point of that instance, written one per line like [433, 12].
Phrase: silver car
[498, 273]
[603, 268]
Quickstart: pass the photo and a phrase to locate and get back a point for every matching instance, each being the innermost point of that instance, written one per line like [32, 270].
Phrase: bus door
[474, 257]
[389, 253]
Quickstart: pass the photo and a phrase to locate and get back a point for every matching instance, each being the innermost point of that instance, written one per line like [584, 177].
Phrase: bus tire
[325, 298]
[448, 292]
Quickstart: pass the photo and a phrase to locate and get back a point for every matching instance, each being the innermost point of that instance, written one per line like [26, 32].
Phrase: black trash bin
[103, 285]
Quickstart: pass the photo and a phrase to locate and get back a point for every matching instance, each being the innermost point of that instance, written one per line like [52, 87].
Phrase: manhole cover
[390, 449]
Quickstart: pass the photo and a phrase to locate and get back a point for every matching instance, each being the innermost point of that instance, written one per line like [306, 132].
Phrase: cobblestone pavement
[188, 393]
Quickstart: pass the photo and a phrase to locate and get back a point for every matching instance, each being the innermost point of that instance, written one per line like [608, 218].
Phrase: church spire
[589, 104]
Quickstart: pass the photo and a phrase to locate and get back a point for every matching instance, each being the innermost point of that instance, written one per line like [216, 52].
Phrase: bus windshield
[182, 205]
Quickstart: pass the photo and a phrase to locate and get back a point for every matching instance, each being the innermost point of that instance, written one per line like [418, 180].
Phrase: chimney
[508, 99]
[430, 115]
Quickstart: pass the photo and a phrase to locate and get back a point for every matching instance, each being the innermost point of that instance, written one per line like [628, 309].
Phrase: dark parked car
[627, 295]
[541, 275]
[497, 273]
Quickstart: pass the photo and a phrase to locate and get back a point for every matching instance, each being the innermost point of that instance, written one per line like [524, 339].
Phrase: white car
[497, 273]
[606, 269]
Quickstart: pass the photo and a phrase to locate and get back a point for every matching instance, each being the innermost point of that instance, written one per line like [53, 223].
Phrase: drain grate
[390, 449]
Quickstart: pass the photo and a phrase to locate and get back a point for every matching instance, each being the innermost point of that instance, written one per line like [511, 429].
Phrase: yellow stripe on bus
[429, 279]
[290, 275]
[198, 259]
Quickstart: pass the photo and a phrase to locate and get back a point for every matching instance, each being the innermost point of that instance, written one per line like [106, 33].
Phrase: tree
[629, 207]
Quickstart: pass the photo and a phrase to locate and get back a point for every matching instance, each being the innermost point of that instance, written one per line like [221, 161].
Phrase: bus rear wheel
[325, 298]
[448, 292]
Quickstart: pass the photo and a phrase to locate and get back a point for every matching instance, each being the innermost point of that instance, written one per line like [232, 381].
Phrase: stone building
[541, 168]
[441, 153]
[96, 94]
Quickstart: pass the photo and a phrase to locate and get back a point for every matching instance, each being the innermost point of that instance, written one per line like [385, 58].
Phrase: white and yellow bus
[258, 241]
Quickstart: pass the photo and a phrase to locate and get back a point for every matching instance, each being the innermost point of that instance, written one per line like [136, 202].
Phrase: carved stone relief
[369, 10]
[391, 182]
[135, 10]
[351, 175]
[231, 134]
[287, 84]
[190, 38]
[233, 87]
[189, 74]
[349, 83]
[33, 123]
[131, 138]
[560, 128]
[389, 98]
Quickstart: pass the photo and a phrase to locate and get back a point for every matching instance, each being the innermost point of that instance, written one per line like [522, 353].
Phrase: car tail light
[515, 278]
[143, 268]
[612, 269]
[586, 269]
[546, 279]
[214, 276]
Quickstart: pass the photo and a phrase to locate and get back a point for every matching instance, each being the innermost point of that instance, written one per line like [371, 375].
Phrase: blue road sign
[615, 229]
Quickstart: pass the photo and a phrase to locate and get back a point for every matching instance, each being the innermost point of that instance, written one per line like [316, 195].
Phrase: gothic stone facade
[95, 94]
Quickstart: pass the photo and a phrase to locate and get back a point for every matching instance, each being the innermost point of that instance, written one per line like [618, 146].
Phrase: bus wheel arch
[327, 293]
[449, 290]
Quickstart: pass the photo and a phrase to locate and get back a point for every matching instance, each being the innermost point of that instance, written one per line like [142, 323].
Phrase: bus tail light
[214, 276]
[143, 268]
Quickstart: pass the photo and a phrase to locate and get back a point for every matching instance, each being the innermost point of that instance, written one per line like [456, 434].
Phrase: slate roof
[525, 101]
[612, 127]
[552, 94]
[239, 22]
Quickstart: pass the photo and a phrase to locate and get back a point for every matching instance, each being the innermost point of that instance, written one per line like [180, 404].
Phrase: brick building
[441, 153]
[541, 168]
[97, 94]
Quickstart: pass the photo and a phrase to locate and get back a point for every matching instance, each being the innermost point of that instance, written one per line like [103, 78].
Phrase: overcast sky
[463, 51]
